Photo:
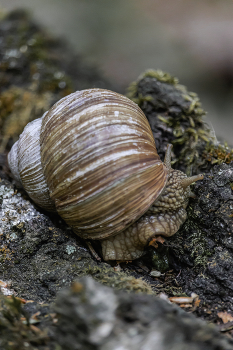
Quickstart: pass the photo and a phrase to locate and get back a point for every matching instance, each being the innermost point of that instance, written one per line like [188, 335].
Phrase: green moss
[15, 330]
[217, 153]
[175, 113]
[105, 274]
[141, 99]
[160, 76]
[195, 147]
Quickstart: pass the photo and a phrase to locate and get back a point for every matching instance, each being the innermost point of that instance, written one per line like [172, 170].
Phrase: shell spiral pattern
[95, 162]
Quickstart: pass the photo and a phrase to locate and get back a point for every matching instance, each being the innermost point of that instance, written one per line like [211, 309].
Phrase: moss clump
[175, 116]
[217, 153]
[118, 280]
[150, 73]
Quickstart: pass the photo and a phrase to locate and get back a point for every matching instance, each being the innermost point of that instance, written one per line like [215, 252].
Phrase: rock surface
[91, 316]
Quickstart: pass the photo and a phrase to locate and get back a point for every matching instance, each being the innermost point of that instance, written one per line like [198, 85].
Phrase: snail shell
[92, 158]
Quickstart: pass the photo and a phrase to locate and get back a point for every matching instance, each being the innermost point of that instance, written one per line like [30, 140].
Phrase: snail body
[92, 158]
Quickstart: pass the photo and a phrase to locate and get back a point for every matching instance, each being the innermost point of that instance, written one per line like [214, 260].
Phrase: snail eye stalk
[189, 180]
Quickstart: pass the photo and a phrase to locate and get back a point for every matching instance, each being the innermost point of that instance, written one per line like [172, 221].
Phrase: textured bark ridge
[204, 245]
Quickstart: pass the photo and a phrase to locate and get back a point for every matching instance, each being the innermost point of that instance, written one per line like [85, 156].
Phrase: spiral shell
[92, 156]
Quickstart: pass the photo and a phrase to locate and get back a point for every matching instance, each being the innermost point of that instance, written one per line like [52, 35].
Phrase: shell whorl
[14, 164]
[26, 160]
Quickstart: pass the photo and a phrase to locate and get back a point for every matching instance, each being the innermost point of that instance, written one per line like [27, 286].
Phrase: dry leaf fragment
[225, 317]
[197, 302]
[186, 301]
[181, 300]
[3, 284]
[154, 241]
[35, 329]
[185, 305]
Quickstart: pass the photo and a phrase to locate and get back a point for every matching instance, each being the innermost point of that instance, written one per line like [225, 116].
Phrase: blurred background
[190, 39]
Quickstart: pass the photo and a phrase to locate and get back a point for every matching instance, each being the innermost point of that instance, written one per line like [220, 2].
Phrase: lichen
[70, 249]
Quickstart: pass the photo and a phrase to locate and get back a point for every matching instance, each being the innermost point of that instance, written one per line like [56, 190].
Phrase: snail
[92, 158]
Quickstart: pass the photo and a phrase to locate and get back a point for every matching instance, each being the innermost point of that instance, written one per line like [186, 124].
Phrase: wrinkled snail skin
[92, 158]
[163, 218]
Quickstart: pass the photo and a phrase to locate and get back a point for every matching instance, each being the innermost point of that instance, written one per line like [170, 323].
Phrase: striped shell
[100, 168]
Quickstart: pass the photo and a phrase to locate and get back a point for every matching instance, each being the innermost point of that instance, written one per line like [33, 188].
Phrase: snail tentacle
[189, 180]
[167, 158]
